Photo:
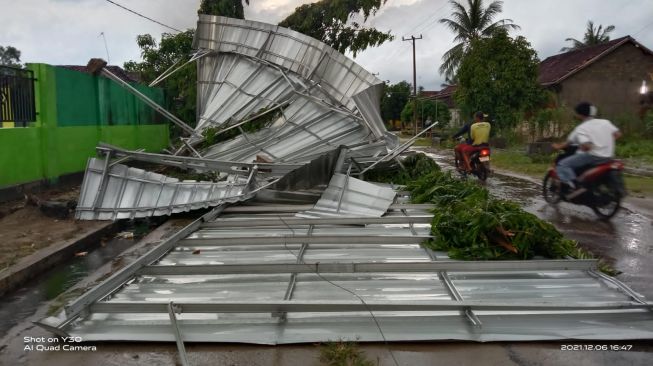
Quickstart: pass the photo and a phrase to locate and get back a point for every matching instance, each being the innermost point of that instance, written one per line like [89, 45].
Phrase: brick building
[610, 75]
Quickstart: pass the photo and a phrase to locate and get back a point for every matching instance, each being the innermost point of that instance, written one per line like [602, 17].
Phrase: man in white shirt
[595, 139]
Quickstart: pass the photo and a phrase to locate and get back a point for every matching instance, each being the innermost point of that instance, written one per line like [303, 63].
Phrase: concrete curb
[46, 258]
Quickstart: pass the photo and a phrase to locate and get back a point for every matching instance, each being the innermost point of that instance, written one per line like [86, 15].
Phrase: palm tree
[469, 23]
[593, 36]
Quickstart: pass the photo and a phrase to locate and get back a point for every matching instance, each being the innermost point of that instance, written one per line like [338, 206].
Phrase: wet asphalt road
[625, 242]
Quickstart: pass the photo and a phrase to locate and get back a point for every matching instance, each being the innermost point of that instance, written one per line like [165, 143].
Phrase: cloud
[67, 31]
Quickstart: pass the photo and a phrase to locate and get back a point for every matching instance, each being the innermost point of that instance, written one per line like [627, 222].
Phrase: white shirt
[598, 132]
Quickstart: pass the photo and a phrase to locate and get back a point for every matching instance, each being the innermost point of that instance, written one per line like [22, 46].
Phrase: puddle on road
[626, 241]
[20, 304]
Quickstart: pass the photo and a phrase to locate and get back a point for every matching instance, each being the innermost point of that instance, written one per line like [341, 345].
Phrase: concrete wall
[51, 148]
[611, 83]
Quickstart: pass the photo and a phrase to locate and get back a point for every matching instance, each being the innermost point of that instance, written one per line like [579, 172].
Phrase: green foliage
[427, 109]
[182, 174]
[633, 126]
[557, 119]
[648, 122]
[470, 23]
[593, 36]
[180, 88]
[227, 8]
[10, 56]
[499, 76]
[471, 224]
[212, 135]
[394, 100]
[414, 166]
[328, 21]
[343, 354]
[156, 57]
[640, 149]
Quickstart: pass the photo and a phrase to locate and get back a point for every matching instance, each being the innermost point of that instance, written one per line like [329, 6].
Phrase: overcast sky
[68, 31]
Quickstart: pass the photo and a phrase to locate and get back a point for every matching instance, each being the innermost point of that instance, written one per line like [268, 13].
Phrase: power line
[428, 21]
[143, 16]
[641, 30]
[360, 298]
[427, 26]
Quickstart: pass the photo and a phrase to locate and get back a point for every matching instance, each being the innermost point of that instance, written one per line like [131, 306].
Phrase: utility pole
[413, 39]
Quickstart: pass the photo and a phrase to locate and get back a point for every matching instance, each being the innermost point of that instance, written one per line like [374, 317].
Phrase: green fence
[83, 100]
[75, 111]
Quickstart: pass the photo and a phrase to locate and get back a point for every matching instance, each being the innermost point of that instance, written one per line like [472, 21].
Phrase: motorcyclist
[595, 139]
[478, 134]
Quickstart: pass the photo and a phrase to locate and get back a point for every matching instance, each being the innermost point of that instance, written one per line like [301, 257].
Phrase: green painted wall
[55, 146]
[84, 99]
[20, 155]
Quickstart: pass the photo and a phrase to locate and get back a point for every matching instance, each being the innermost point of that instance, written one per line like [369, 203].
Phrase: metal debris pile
[315, 254]
[320, 100]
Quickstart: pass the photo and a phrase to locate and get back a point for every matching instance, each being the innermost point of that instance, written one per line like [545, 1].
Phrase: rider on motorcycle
[478, 135]
[595, 139]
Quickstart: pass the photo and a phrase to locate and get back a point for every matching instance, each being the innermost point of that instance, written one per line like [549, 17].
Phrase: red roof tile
[559, 67]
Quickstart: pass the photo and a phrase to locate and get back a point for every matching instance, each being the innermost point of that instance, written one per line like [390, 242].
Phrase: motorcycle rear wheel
[479, 170]
[550, 189]
[607, 201]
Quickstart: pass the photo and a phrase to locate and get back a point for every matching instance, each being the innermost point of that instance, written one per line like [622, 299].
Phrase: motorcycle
[599, 186]
[479, 161]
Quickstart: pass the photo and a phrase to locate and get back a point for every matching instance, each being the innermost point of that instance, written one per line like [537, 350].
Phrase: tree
[394, 100]
[469, 24]
[227, 8]
[427, 109]
[181, 87]
[593, 36]
[498, 75]
[10, 56]
[327, 21]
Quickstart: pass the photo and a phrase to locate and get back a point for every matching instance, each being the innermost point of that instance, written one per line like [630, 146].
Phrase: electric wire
[429, 19]
[143, 16]
[317, 272]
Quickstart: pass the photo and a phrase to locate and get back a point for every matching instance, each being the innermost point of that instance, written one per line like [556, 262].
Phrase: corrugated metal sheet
[120, 192]
[348, 196]
[285, 280]
[249, 69]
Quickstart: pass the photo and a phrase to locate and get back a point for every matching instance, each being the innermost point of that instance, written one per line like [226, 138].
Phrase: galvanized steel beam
[402, 267]
[232, 167]
[151, 103]
[301, 221]
[113, 283]
[178, 337]
[297, 208]
[136, 307]
[300, 239]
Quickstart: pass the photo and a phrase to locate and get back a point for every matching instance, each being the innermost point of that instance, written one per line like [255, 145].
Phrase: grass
[343, 354]
[641, 186]
[639, 151]
[517, 161]
[422, 141]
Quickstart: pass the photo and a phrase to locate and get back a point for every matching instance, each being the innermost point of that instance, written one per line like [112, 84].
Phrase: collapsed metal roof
[247, 70]
[261, 274]
[348, 265]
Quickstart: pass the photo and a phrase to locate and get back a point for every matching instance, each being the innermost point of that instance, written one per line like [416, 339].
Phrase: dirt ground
[24, 229]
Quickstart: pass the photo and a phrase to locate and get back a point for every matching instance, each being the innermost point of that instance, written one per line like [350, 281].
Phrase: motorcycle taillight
[485, 152]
